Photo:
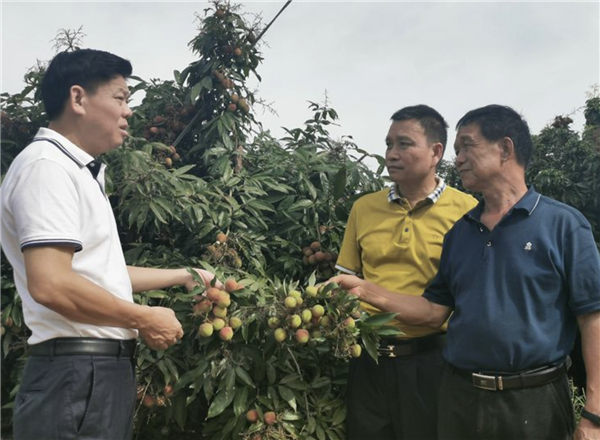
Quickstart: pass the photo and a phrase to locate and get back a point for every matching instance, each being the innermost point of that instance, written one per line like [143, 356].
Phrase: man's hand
[586, 430]
[356, 286]
[160, 328]
[206, 277]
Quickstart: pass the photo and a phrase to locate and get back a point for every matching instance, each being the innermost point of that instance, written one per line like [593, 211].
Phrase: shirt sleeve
[582, 270]
[45, 205]
[349, 257]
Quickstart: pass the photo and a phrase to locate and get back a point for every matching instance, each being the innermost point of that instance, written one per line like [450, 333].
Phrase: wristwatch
[594, 418]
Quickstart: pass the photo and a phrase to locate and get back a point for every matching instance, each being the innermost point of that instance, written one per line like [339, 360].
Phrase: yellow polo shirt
[397, 247]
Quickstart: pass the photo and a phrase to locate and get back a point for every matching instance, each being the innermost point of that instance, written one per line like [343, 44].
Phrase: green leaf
[379, 319]
[301, 204]
[221, 401]
[179, 410]
[370, 343]
[287, 395]
[240, 402]
[244, 376]
[156, 210]
[339, 183]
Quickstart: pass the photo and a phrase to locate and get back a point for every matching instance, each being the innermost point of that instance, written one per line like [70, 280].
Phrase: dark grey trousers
[538, 413]
[395, 400]
[75, 397]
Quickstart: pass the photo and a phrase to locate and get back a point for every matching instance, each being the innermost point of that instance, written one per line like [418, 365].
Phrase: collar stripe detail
[61, 148]
[434, 196]
[536, 203]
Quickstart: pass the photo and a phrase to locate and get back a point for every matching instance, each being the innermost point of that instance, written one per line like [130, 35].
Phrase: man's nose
[128, 112]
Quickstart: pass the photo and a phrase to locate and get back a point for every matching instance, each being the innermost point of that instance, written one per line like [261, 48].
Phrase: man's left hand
[206, 276]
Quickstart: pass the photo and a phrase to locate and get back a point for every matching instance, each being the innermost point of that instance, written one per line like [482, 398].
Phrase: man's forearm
[146, 278]
[589, 326]
[412, 310]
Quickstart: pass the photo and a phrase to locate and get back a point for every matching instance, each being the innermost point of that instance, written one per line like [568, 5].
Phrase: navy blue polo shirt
[516, 290]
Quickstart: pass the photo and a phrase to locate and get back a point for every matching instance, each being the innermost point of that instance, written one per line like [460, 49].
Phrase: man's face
[478, 160]
[409, 156]
[105, 119]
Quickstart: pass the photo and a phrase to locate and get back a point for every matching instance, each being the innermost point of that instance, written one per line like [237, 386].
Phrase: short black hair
[87, 68]
[434, 125]
[498, 121]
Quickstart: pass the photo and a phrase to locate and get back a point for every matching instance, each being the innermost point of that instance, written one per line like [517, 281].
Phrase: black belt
[84, 346]
[506, 381]
[406, 347]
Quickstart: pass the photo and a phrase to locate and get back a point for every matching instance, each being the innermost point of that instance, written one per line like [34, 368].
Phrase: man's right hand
[160, 329]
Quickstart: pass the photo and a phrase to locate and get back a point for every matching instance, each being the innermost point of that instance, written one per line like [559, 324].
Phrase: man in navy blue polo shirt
[519, 272]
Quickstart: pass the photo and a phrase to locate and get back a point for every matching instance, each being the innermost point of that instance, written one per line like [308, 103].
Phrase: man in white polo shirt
[60, 236]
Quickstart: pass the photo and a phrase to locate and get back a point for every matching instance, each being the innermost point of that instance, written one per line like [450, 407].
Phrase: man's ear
[76, 101]
[507, 149]
[438, 152]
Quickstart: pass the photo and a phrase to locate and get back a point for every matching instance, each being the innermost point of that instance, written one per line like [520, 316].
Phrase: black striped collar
[72, 151]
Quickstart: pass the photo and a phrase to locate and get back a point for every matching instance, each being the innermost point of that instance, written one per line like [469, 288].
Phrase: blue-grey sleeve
[582, 270]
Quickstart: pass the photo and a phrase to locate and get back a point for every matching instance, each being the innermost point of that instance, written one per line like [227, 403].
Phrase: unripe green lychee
[355, 350]
[273, 322]
[295, 294]
[223, 300]
[294, 321]
[280, 334]
[290, 302]
[311, 291]
[349, 322]
[306, 315]
[205, 330]
[318, 310]
[235, 322]
[219, 312]
[324, 321]
[218, 323]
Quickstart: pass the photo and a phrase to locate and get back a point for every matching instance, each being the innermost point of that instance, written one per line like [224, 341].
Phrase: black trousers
[538, 413]
[396, 399]
[75, 397]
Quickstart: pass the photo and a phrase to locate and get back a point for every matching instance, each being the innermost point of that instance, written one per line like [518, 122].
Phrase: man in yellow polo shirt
[394, 239]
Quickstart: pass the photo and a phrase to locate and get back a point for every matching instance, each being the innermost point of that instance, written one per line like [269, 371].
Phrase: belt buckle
[387, 351]
[485, 382]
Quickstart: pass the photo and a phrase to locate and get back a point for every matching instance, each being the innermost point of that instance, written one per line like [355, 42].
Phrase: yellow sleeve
[349, 257]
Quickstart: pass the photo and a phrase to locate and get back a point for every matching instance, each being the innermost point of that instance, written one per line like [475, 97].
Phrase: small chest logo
[528, 246]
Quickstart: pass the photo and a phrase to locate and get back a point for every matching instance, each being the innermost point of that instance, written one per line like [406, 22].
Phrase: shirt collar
[79, 156]
[395, 196]
[527, 204]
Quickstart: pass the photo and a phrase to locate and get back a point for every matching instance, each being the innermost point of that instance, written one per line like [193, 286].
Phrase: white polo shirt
[49, 197]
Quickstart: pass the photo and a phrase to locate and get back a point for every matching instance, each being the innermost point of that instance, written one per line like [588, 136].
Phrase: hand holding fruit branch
[409, 309]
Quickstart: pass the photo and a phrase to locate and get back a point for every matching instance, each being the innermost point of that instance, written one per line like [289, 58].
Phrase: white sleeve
[45, 205]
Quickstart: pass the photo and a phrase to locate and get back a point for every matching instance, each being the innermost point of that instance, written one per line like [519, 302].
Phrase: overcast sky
[371, 59]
